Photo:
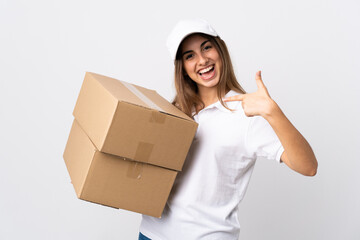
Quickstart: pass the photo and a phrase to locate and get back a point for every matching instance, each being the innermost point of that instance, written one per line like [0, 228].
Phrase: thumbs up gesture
[258, 103]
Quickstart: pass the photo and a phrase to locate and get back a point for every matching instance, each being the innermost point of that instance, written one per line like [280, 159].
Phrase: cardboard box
[126, 145]
[114, 181]
[133, 122]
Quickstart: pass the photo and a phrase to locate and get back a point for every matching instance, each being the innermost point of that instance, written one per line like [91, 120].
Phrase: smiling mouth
[208, 73]
[206, 70]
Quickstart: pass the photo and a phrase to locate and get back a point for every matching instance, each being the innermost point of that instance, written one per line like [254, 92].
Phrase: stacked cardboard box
[126, 145]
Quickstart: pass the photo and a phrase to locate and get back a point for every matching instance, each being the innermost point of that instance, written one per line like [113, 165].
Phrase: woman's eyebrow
[204, 43]
[187, 52]
[201, 45]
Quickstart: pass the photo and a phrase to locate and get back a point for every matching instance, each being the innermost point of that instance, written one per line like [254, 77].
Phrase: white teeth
[206, 70]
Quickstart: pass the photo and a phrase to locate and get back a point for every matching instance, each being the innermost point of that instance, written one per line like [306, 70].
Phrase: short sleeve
[262, 141]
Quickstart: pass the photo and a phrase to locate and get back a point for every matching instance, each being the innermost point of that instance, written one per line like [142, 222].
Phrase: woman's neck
[208, 96]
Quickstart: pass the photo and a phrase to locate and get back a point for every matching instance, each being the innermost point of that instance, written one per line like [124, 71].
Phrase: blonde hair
[187, 98]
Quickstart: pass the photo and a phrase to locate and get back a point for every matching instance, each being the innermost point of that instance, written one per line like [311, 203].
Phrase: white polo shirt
[203, 203]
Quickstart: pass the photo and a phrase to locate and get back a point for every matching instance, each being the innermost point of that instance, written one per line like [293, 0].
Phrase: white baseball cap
[183, 29]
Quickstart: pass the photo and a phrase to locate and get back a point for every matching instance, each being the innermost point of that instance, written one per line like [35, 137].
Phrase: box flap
[138, 95]
[165, 105]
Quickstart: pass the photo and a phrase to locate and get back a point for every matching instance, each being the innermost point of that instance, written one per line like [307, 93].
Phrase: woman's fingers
[256, 103]
[235, 98]
[262, 91]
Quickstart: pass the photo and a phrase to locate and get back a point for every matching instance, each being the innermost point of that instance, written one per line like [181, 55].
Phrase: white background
[308, 51]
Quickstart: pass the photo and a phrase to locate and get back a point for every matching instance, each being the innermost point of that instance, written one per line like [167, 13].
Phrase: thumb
[259, 82]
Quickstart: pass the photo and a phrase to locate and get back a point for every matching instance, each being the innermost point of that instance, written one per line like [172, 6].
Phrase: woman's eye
[188, 56]
[207, 47]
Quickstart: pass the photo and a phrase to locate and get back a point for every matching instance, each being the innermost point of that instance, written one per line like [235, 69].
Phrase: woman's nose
[203, 59]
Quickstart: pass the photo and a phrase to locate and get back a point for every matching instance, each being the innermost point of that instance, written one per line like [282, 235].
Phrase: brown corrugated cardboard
[133, 122]
[126, 145]
[114, 181]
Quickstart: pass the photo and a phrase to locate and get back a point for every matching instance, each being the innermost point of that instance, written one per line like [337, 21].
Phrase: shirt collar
[220, 107]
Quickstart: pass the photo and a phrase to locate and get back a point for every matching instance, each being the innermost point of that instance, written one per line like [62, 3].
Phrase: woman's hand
[257, 103]
[298, 154]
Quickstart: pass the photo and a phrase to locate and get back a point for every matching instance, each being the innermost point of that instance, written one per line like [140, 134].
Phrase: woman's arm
[298, 154]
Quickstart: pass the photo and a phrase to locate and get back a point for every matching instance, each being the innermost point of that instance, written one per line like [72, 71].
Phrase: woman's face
[201, 61]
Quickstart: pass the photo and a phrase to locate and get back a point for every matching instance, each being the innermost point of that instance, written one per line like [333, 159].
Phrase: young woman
[234, 129]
